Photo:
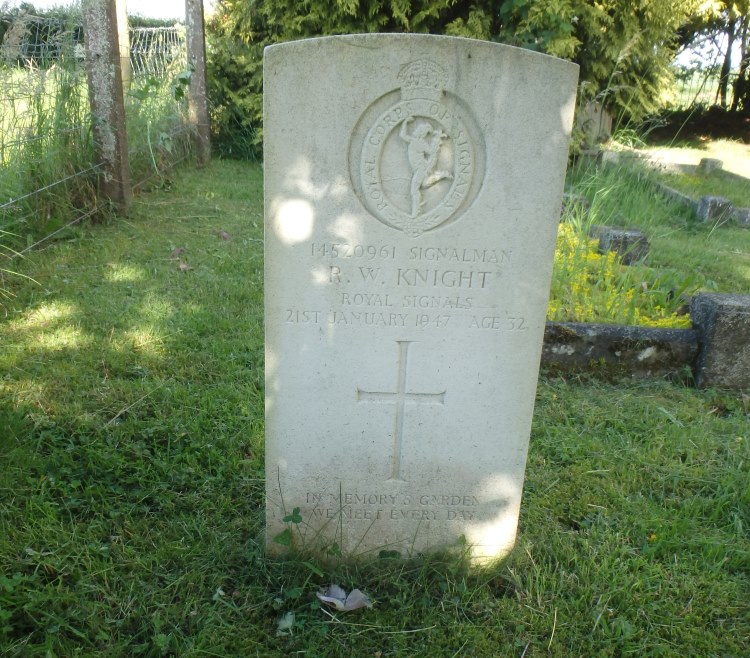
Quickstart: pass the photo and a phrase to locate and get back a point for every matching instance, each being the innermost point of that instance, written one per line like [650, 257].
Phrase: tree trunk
[726, 67]
[741, 85]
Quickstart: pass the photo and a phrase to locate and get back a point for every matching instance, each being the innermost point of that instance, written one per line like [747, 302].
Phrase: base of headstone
[723, 322]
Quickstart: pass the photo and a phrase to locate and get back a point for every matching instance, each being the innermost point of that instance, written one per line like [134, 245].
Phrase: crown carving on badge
[422, 79]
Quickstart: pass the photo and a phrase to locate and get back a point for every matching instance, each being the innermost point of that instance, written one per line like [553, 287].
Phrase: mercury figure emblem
[424, 143]
[416, 155]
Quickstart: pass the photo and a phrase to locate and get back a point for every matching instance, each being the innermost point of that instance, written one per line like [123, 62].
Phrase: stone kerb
[619, 349]
[716, 349]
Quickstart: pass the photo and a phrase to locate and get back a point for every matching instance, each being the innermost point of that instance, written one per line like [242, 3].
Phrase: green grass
[131, 494]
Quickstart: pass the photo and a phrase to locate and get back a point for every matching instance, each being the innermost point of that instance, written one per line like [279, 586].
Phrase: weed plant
[588, 286]
[131, 493]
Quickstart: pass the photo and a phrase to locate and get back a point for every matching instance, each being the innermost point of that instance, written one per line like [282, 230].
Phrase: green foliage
[624, 48]
[239, 31]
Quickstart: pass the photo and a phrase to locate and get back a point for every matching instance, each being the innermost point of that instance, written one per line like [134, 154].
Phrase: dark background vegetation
[625, 50]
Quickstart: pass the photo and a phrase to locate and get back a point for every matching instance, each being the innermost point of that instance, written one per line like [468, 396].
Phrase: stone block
[709, 165]
[630, 245]
[715, 209]
[611, 157]
[575, 203]
[723, 323]
[742, 216]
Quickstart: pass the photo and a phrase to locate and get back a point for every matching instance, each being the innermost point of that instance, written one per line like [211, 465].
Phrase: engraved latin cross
[400, 398]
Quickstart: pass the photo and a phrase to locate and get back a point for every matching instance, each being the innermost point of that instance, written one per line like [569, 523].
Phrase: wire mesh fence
[154, 51]
[48, 169]
[699, 88]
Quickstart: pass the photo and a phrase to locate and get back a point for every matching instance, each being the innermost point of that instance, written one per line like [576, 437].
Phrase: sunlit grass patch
[124, 272]
[697, 185]
[734, 154]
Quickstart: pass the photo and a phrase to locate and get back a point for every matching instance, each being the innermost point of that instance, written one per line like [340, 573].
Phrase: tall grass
[48, 173]
[46, 150]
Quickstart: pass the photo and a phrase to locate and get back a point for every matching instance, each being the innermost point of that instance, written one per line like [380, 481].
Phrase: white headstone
[413, 187]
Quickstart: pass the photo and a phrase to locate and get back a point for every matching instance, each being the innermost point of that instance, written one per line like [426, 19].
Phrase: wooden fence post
[103, 64]
[197, 95]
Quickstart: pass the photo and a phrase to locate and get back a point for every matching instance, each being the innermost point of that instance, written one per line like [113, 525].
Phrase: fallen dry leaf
[336, 597]
[176, 253]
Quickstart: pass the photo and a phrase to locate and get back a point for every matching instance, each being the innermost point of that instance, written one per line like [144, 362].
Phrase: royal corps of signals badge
[417, 156]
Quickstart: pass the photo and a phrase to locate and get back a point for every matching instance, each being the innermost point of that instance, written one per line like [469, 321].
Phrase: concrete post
[106, 98]
[197, 95]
